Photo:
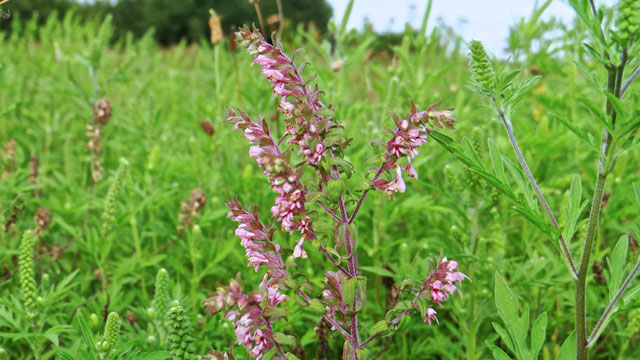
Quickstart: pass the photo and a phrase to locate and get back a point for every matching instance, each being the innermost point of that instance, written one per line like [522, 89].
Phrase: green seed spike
[108, 215]
[480, 66]
[161, 297]
[107, 346]
[27, 276]
[627, 21]
[180, 340]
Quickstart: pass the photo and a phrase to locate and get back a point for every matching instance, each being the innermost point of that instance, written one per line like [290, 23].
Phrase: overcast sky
[486, 20]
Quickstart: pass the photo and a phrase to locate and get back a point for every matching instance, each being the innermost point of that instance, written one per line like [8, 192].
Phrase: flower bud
[456, 233]
[93, 319]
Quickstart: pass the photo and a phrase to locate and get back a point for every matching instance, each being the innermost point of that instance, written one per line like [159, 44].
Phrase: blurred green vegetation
[160, 95]
[174, 20]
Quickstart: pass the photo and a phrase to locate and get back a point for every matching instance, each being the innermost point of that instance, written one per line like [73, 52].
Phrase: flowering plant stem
[313, 129]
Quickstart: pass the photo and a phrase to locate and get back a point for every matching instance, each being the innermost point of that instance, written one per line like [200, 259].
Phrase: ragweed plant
[317, 148]
[614, 49]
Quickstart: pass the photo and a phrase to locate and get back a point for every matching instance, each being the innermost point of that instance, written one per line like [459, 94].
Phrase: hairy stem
[536, 188]
[267, 323]
[352, 255]
[328, 318]
[333, 261]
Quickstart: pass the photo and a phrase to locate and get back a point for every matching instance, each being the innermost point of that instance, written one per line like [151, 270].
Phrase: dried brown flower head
[102, 112]
[42, 220]
[13, 218]
[215, 28]
[207, 127]
[190, 208]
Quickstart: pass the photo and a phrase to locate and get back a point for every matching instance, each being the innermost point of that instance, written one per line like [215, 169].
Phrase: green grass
[159, 96]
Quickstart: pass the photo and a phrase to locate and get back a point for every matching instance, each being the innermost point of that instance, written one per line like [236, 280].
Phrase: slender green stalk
[604, 168]
[536, 188]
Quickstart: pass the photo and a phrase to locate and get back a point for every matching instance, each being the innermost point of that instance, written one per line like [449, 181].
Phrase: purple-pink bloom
[307, 123]
[440, 284]
[248, 313]
[289, 208]
[408, 136]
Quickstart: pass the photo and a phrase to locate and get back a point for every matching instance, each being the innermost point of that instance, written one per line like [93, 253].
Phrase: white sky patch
[486, 20]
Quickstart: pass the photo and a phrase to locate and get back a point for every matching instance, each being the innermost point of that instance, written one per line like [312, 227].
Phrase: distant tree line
[175, 20]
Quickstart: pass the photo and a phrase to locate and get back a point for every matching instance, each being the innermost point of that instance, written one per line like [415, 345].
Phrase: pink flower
[431, 315]
[306, 123]
[408, 136]
[289, 208]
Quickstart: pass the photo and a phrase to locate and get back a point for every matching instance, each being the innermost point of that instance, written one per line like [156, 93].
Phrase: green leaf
[284, 339]
[378, 271]
[496, 159]
[568, 350]
[354, 293]
[617, 106]
[505, 302]
[157, 355]
[504, 335]
[574, 208]
[507, 306]
[498, 354]
[379, 327]
[618, 262]
[574, 129]
[538, 332]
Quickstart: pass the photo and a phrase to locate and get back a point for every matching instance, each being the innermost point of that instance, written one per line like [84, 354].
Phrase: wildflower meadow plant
[313, 202]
